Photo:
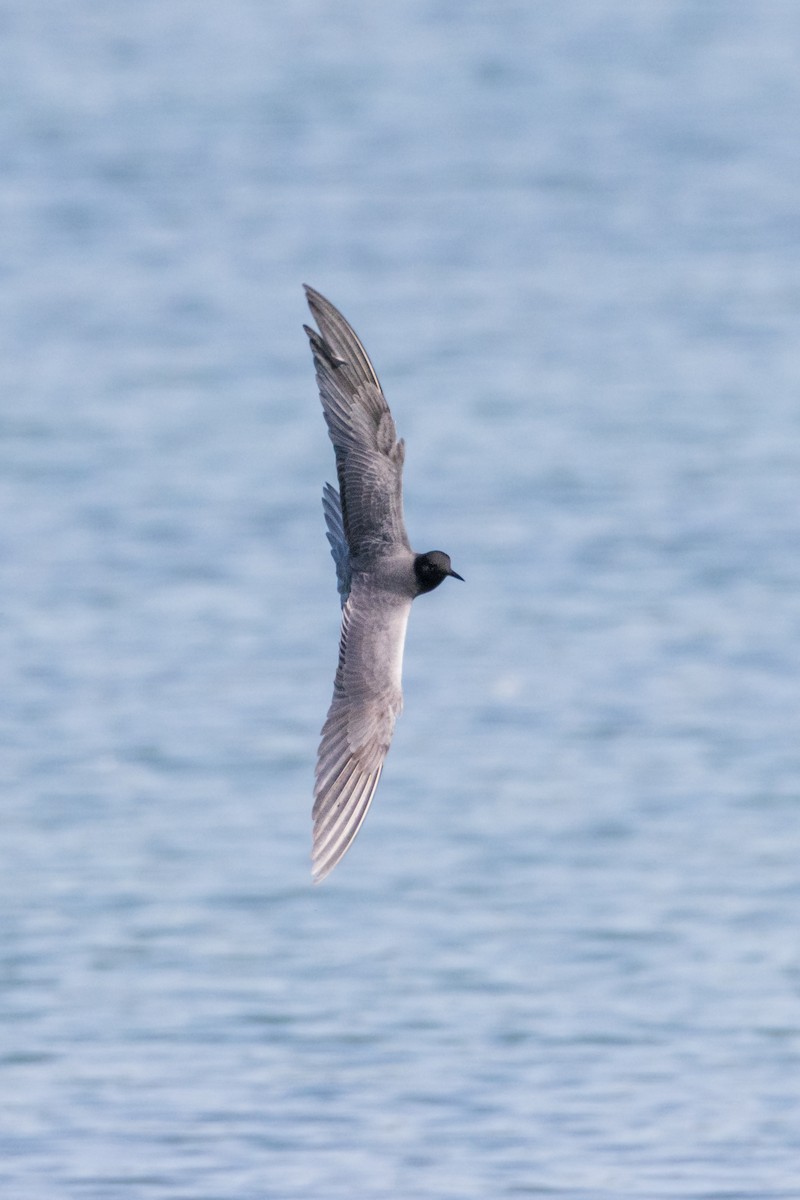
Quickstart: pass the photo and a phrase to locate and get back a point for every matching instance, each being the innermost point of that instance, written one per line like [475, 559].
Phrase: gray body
[378, 576]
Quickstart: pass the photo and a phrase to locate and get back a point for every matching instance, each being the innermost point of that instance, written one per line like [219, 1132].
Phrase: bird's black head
[431, 568]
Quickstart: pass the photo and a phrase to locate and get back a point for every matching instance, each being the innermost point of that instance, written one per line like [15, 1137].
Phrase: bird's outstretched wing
[369, 456]
[367, 700]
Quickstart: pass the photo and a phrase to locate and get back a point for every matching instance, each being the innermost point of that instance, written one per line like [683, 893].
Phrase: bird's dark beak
[455, 575]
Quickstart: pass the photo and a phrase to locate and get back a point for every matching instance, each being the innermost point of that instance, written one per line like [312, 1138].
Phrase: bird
[378, 576]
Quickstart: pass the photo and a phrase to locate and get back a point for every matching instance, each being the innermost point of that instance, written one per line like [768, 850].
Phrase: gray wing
[369, 456]
[367, 700]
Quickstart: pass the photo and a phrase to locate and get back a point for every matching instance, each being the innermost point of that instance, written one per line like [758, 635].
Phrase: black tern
[378, 576]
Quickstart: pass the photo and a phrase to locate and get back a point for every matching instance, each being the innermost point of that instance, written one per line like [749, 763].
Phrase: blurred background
[562, 957]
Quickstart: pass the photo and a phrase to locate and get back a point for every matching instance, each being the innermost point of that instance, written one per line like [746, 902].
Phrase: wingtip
[314, 299]
[324, 859]
[319, 874]
[313, 296]
[323, 311]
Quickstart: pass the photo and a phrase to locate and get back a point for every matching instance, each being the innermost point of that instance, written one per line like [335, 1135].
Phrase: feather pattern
[369, 455]
[367, 699]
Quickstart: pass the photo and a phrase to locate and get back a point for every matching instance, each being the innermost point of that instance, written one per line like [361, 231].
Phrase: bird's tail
[332, 507]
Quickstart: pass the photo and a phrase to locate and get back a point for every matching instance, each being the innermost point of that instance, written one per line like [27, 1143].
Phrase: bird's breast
[376, 637]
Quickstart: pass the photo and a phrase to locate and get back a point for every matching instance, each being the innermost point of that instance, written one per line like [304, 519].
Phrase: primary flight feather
[378, 575]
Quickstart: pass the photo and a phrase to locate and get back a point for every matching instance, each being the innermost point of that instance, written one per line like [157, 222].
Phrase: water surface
[562, 957]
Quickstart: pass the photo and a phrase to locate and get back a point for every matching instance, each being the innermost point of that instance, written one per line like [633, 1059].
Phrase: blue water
[562, 958]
